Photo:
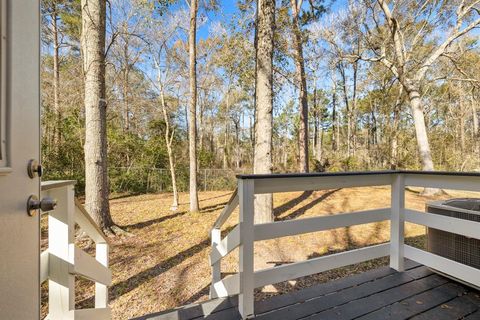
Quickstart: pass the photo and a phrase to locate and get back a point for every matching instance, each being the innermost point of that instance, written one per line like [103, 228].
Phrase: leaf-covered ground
[164, 262]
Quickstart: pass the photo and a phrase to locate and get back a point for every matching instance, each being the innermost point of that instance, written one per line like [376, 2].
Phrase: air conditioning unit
[452, 246]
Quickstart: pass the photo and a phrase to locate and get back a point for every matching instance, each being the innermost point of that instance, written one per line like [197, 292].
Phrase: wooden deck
[383, 293]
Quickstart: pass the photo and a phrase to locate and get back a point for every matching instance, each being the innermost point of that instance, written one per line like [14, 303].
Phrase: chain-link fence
[155, 180]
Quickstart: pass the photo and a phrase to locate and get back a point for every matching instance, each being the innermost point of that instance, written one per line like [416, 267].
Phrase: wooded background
[356, 85]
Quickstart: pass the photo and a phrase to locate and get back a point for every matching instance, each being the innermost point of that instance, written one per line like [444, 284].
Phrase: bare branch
[420, 74]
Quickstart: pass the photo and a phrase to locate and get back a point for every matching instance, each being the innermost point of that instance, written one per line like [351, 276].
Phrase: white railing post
[397, 223]
[247, 285]
[216, 235]
[101, 290]
[61, 226]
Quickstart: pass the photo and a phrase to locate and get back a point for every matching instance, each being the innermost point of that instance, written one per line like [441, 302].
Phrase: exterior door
[19, 142]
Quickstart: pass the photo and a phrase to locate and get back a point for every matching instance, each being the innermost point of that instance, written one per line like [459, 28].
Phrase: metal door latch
[34, 169]
[46, 204]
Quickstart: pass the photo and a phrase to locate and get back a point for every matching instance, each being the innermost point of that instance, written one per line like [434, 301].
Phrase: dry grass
[164, 263]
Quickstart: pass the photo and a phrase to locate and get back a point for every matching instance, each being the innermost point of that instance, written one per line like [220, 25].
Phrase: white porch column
[61, 226]
[397, 223]
[247, 286]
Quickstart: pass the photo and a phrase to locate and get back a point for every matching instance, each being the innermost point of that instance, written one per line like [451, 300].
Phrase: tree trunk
[302, 87]
[225, 133]
[265, 23]
[422, 137]
[315, 124]
[168, 141]
[201, 132]
[343, 75]
[126, 80]
[192, 119]
[237, 144]
[318, 130]
[420, 130]
[476, 130]
[335, 139]
[319, 152]
[462, 125]
[93, 50]
[373, 127]
[126, 105]
[394, 132]
[353, 110]
[57, 132]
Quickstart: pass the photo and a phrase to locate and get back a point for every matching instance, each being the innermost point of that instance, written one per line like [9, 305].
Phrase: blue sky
[229, 7]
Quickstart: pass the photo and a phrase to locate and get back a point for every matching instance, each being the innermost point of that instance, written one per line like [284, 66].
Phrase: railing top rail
[355, 173]
[90, 220]
[48, 185]
[227, 210]
[442, 173]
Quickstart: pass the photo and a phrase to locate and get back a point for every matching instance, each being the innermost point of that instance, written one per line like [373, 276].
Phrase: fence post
[247, 286]
[397, 223]
[61, 226]
[204, 179]
[216, 235]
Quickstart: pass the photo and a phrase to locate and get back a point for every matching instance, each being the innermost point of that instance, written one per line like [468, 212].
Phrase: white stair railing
[245, 233]
[62, 261]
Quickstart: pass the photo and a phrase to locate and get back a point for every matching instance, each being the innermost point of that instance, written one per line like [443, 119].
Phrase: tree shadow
[214, 207]
[126, 196]
[221, 308]
[127, 285]
[134, 281]
[147, 223]
[292, 203]
[202, 292]
[216, 197]
[285, 290]
[308, 206]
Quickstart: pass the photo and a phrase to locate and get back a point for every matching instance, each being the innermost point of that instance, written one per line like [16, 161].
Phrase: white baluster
[101, 290]
[216, 235]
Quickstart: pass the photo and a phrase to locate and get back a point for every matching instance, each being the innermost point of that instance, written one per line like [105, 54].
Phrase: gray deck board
[277, 302]
[473, 316]
[383, 293]
[322, 303]
[417, 304]
[457, 308]
[360, 307]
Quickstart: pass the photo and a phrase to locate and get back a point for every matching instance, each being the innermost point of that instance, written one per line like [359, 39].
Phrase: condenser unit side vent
[452, 246]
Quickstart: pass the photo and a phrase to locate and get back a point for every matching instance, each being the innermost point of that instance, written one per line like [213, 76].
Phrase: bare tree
[128, 49]
[192, 112]
[395, 48]
[159, 38]
[93, 51]
[169, 135]
[265, 23]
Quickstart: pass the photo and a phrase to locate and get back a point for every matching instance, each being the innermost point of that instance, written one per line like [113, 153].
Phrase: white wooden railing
[245, 233]
[63, 260]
